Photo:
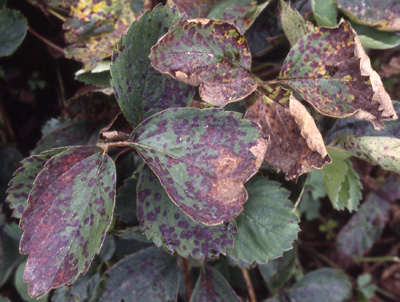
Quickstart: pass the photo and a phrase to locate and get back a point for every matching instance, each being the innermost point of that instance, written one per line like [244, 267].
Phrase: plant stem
[249, 285]
[378, 259]
[47, 42]
[187, 279]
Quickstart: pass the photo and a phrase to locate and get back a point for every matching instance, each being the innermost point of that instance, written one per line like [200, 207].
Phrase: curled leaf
[210, 54]
[330, 69]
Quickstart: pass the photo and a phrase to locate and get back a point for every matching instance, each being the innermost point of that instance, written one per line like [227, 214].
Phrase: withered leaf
[202, 158]
[70, 209]
[330, 69]
[210, 54]
[295, 145]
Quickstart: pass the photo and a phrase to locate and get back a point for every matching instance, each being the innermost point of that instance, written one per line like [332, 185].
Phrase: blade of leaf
[70, 209]
[149, 275]
[22, 183]
[293, 23]
[167, 225]
[295, 145]
[212, 286]
[202, 158]
[13, 28]
[325, 12]
[142, 91]
[268, 226]
[210, 54]
[125, 204]
[330, 69]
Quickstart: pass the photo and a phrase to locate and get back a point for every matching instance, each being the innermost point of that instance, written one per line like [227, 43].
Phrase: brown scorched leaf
[95, 28]
[295, 145]
[331, 70]
[210, 54]
[70, 209]
[202, 158]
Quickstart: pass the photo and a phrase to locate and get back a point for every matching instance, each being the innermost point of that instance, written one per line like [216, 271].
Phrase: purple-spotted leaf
[295, 145]
[140, 89]
[212, 287]
[70, 209]
[168, 226]
[210, 54]
[22, 183]
[331, 70]
[382, 14]
[149, 275]
[94, 28]
[202, 158]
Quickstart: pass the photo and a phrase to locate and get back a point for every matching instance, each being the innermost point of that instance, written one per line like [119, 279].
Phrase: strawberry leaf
[22, 183]
[168, 226]
[13, 28]
[70, 209]
[330, 69]
[268, 226]
[210, 54]
[142, 91]
[149, 275]
[212, 286]
[202, 158]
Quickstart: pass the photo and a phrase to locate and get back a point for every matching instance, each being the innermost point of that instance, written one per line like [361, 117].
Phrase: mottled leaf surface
[365, 227]
[149, 275]
[295, 145]
[65, 132]
[382, 14]
[268, 226]
[194, 8]
[202, 158]
[212, 287]
[70, 209]
[140, 89]
[278, 271]
[319, 285]
[22, 183]
[22, 287]
[341, 182]
[169, 227]
[13, 28]
[94, 28]
[293, 23]
[210, 54]
[330, 69]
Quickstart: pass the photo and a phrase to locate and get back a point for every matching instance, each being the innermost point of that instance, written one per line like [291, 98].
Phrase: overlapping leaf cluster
[189, 183]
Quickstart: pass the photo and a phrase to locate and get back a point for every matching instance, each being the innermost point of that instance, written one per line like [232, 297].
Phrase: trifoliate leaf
[168, 226]
[202, 158]
[211, 54]
[268, 226]
[70, 209]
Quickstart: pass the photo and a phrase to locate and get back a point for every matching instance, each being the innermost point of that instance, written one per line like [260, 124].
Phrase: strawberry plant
[180, 171]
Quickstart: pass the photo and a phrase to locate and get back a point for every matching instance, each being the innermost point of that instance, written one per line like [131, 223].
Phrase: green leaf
[313, 191]
[210, 54]
[202, 158]
[65, 132]
[94, 28]
[211, 286]
[149, 275]
[70, 209]
[278, 271]
[319, 285]
[22, 183]
[22, 287]
[342, 183]
[10, 159]
[293, 23]
[125, 204]
[382, 151]
[376, 39]
[98, 76]
[366, 226]
[142, 91]
[325, 12]
[330, 69]
[169, 227]
[268, 226]
[13, 28]
[295, 144]
[382, 14]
